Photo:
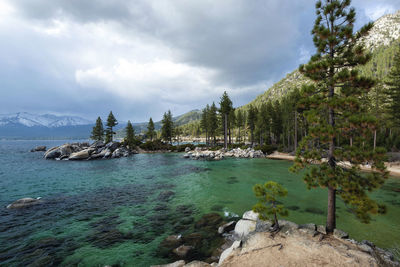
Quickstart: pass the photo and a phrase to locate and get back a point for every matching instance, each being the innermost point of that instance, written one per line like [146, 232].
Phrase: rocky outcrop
[198, 153]
[85, 151]
[38, 149]
[298, 245]
[24, 202]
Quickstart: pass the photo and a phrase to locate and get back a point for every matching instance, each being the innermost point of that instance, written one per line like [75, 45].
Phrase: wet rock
[165, 196]
[24, 202]
[38, 149]
[227, 227]
[182, 251]
[184, 210]
[340, 234]
[210, 220]
[168, 244]
[107, 238]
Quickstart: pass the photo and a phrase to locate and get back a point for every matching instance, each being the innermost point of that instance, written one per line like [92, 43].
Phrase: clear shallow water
[106, 212]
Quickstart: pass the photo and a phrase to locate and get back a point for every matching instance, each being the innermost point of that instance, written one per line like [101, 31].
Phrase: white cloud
[375, 12]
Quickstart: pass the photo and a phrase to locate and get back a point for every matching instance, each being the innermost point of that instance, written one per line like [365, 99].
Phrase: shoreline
[394, 171]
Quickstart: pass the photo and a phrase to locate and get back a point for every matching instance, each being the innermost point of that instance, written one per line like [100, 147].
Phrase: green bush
[156, 145]
[266, 149]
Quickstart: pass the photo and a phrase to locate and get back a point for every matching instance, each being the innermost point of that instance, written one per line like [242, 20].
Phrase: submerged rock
[24, 202]
[38, 148]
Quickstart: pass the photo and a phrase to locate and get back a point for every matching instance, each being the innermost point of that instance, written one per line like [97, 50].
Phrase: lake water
[106, 212]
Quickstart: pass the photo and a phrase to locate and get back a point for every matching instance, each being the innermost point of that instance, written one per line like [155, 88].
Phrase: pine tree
[251, 121]
[204, 121]
[267, 205]
[98, 130]
[393, 91]
[240, 118]
[151, 133]
[130, 138]
[213, 122]
[111, 122]
[334, 104]
[167, 128]
[225, 109]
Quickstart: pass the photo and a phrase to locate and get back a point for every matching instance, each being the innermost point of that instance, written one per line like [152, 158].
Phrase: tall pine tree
[225, 109]
[213, 122]
[111, 122]
[98, 130]
[334, 108]
[394, 91]
[151, 133]
[130, 139]
[167, 128]
[251, 121]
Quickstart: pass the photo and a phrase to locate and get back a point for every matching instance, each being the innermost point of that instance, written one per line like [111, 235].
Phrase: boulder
[244, 227]
[182, 251]
[98, 144]
[340, 234]
[321, 229]
[227, 227]
[38, 148]
[117, 153]
[197, 264]
[187, 149]
[287, 226]
[24, 202]
[112, 146]
[180, 263]
[186, 156]
[250, 215]
[52, 153]
[84, 154]
[227, 252]
[263, 226]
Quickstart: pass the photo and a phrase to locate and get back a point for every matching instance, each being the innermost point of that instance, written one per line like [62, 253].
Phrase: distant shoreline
[393, 168]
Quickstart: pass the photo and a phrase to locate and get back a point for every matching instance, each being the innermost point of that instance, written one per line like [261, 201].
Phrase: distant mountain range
[46, 120]
[23, 125]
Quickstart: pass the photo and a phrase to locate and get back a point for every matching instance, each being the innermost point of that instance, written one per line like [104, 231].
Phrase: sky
[141, 58]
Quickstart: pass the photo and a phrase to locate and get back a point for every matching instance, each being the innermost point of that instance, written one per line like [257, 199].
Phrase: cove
[118, 211]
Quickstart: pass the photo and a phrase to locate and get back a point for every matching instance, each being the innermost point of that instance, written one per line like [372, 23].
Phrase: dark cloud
[143, 57]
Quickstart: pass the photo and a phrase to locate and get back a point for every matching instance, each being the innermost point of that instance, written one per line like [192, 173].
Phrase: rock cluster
[85, 151]
[223, 153]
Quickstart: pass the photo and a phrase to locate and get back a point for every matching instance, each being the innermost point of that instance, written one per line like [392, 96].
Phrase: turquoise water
[106, 212]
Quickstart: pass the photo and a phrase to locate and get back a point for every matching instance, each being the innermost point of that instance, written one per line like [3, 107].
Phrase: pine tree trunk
[351, 141]
[225, 131]
[239, 134]
[374, 139]
[295, 130]
[331, 219]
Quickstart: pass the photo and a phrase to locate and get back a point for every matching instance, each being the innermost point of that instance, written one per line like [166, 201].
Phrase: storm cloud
[141, 58]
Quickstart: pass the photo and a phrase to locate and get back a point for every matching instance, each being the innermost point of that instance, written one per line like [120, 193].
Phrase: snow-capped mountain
[46, 120]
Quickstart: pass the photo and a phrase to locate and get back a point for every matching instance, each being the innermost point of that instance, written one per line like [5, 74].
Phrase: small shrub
[268, 204]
